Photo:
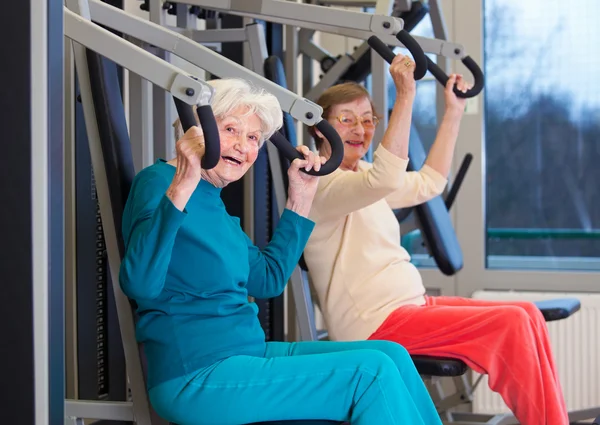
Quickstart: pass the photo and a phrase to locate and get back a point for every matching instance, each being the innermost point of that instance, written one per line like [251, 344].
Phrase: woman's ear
[318, 133]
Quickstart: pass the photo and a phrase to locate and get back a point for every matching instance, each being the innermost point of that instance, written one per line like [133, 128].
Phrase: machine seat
[559, 308]
[439, 366]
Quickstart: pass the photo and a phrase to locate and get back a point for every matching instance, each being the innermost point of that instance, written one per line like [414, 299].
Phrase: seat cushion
[559, 308]
[439, 366]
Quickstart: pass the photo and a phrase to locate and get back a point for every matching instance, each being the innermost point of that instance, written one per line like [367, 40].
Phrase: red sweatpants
[506, 340]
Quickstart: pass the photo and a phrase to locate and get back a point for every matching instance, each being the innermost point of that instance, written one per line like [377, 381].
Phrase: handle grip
[208, 123]
[410, 43]
[416, 51]
[334, 139]
[471, 65]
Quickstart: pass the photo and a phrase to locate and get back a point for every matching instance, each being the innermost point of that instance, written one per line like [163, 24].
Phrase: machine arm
[186, 90]
[130, 56]
[326, 19]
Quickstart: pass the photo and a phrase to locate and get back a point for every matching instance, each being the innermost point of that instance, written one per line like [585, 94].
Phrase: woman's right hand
[190, 150]
[402, 70]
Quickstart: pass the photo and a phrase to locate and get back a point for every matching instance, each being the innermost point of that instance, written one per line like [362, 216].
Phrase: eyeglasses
[351, 120]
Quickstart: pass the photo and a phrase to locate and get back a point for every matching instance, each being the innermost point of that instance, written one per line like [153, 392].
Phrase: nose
[358, 129]
[242, 145]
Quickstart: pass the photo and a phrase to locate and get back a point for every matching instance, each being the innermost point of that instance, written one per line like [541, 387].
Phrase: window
[542, 133]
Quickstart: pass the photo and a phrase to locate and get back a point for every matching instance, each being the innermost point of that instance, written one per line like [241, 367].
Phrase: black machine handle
[212, 142]
[458, 180]
[471, 65]
[332, 136]
[410, 43]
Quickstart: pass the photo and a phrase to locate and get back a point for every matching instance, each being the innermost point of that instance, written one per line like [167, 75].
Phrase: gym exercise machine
[113, 165]
[436, 229]
[311, 17]
[353, 66]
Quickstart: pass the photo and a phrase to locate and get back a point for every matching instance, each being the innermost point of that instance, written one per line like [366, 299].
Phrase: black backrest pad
[114, 136]
[115, 143]
[434, 219]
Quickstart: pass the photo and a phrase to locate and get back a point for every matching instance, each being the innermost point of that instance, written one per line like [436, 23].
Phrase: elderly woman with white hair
[190, 268]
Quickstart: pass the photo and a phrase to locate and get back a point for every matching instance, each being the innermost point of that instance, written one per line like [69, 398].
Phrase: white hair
[231, 93]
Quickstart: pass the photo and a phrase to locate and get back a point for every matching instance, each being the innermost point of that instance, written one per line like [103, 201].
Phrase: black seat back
[114, 135]
[117, 154]
[434, 219]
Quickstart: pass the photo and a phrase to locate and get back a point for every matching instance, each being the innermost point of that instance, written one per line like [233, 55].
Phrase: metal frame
[85, 34]
[358, 25]
[39, 210]
[162, 108]
[161, 73]
[38, 274]
[402, 4]
[201, 56]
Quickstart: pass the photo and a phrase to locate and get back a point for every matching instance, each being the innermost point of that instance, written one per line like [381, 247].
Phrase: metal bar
[71, 357]
[308, 47]
[437, 20]
[162, 74]
[202, 57]
[379, 79]
[291, 58]
[184, 18]
[141, 132]
[39, 200]
[385, 7]
[163, 143]
[224, 35]
[358, 25]
[107, 410]
[257, 47]
[320, 18]
[330, 77]
[349, 3]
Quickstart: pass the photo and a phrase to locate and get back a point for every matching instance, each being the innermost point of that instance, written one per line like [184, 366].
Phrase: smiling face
[355, 123]
[241, 136]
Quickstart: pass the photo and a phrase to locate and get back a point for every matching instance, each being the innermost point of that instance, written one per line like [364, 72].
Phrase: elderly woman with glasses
[366, 284]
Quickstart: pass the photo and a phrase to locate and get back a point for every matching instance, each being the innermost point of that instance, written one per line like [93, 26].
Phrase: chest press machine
[440, 238]
[113, 165]
[97, 51]
[302, 20]
[439, 235]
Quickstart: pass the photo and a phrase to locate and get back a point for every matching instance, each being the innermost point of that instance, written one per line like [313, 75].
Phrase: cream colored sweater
[359, 269]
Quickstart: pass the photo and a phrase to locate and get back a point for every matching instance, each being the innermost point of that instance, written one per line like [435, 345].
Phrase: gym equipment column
[31, 260]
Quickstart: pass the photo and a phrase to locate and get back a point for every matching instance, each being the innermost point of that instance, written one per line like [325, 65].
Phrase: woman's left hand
[302, 186]
[453, 102]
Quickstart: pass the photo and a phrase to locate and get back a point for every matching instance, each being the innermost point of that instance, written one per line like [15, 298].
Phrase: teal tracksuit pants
[363, 382]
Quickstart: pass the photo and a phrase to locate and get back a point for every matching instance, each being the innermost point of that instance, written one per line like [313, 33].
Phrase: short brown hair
[338, 94]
